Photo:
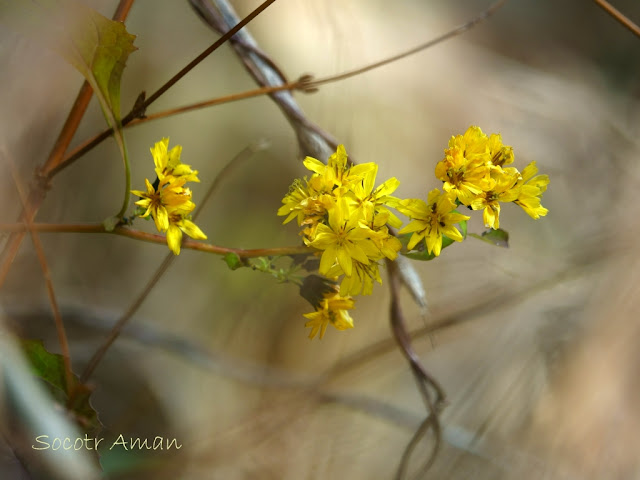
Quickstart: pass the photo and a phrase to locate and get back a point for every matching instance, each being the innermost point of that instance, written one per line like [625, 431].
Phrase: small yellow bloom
[345, 239]
[170, 202]
[332, 310]
[465, 167]
[431, 220]
[532, 187]
[168, 162]
[503, 189]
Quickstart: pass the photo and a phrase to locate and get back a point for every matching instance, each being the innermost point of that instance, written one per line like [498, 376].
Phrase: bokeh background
[536, 345]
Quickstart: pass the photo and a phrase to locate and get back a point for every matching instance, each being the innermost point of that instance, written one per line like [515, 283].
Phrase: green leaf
[233, 261]
[96, 46]
[420, 252]
[50, 368]
[499, 237]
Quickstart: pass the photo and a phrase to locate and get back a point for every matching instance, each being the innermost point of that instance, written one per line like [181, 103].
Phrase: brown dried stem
[154, 238]
[619, 16]
[46, 273]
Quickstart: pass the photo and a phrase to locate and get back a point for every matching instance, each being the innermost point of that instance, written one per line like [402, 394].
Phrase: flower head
[431, 220]
[532, 187]
[331, 310]
[169, 204]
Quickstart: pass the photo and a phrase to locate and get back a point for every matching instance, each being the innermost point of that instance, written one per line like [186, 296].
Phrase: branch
[155, 238]
[619, 16]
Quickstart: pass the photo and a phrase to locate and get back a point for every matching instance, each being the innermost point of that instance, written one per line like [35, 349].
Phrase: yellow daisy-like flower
[532, 187]
[431, 220]
[332, 310]
[304, 203]
[345, 239]
[337, 172]
[371, 202]
[504, 189]
[361, 279]
[170, 202]
[499, 154]
[177, 225]
[465, 168]
[168, 162]
[169, 197]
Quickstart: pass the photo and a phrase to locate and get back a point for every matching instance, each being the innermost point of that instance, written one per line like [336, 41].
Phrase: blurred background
[536, 345]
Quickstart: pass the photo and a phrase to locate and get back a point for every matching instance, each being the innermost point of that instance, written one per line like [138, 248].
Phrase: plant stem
[155, 238]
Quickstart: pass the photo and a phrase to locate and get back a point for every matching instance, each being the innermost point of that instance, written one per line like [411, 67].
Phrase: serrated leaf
[233, 261]
[50, 368]
[498, 238]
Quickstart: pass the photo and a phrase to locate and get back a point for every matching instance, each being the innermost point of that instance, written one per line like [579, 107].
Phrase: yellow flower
[304, 203]
[372, 202]
[361, 279]
[499, 154]
[169, 197]
[504, 189]
[531, 190]
[332, 310]
[465, 168]
[177, 225]
[431, 220]
[337, 172]
[170, 202]
[168, 162]
[343, 240]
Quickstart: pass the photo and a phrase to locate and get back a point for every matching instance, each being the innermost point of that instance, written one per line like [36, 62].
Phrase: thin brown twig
[187, 108]
[452, 33]
[155, 238]
[619, 16]
[37, 193]
[138, 110]
[46, 273]
[424, 380]
[160, 271]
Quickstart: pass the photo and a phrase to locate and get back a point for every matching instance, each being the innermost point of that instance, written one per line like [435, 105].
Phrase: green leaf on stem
[499, 237]
[50, 368]
[233, 261]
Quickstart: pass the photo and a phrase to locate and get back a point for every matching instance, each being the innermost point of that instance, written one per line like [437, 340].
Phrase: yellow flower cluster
[345, 218]
[168, 201]
[474, 172]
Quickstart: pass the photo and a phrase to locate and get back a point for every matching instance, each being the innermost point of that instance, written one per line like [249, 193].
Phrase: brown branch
[140, 107]
[154, 238]
[424, 380]
[619, 16]
[37, 193]
[175, 111]
[46, 273]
